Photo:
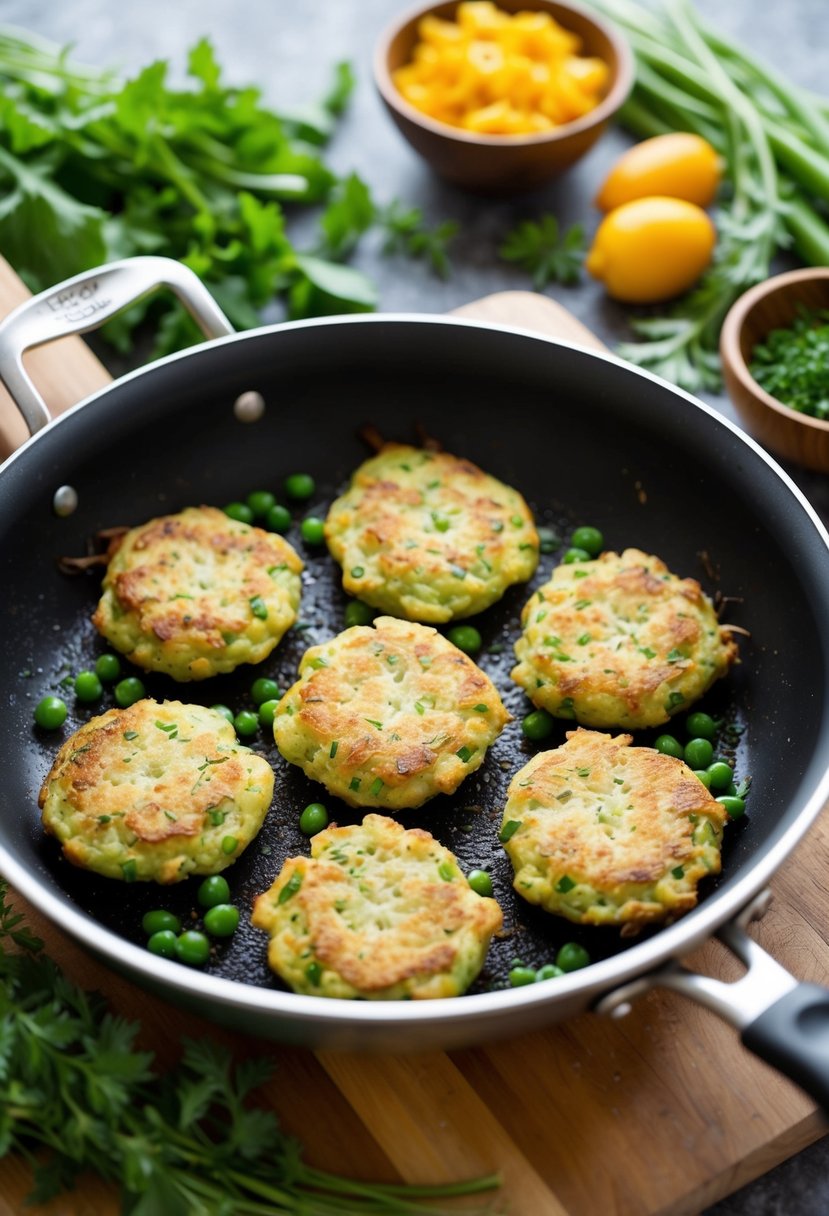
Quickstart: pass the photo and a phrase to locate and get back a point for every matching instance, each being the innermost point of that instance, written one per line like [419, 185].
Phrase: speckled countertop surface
[288, 49]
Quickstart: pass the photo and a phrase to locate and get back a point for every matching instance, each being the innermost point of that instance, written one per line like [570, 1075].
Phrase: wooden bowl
[502, 164]
[773, 305]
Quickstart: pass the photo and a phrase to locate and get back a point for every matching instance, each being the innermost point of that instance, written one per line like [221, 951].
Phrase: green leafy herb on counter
[792, 364]
[76, 1096]
[774, 141]
[548, 254]
[94, 168]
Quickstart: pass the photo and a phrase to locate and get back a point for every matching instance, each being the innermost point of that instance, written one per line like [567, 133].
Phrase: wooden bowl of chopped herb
[774, 346]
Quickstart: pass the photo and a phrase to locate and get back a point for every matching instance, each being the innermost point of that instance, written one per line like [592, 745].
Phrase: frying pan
[587, 439]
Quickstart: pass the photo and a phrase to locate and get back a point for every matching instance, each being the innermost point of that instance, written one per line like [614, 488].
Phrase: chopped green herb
[290, 889]
[376, 786]
[333, 749]
[565, 884]
[466, 753]
[508, 830]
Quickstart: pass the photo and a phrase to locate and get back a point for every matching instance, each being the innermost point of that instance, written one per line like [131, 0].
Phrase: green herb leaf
[548, 255]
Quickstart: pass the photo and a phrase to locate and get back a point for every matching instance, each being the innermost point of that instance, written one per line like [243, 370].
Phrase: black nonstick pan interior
[586, 440]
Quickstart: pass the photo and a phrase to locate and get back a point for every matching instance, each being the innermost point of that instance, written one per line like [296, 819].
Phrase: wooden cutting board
[663, 1112]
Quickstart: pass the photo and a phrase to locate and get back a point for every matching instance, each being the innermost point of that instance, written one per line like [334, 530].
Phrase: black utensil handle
[793, 1036]
[85, 302]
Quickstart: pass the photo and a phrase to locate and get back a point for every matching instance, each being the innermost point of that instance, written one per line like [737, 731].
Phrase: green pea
[313, 819]
[246, 723]
[192, 948]
[721, 775]
[548, 540]
[239, 511]
[50, 713]
[278, 518]
[699, 753]
[229, 844]
[537, 725]
[480, 882]
[701, 726]
[128, 691]
[466, 638]
[260, 502]
[264, 689]
[704, 776]
[572, 956]
[158, 919]
[358, 613]
[519, 976]
[299, 486]
[214, 890]
[87, 686]
[224, 710]
[163, 943]
[548, 972]
[734, 807]
[575, 554]
[312, 530]
[221, 920]
[267, 712]
[669, 746]
[589, 539]
[107, 667]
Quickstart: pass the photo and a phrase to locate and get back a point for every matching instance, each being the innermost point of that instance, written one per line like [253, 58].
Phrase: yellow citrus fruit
[651, 249]
[680, 165]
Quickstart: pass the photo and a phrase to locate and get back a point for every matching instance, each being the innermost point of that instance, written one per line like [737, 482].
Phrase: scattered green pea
[267, 712]
[572, 956]
[721, 775]
[589, 539]
[246, 723]
[668, 745]
[264, 689]
[548, 972]
[87, 686]
[221, 920]
[224, 710]
[700, 725]
[50, 713]
[278, 518]
[214, 890]
[358, 613]
[704, 776]
[575, 554]
[699, 753]
[107, 667]
[192, 947]
[548, 540]
[312, 530]
[313, 819]
[128, 691]
[480, 882]
[260, 502]
[537, 725]
[163, 943]
[519, 976]
[734, 806]
[160, 919]
[466, 638]
[239, 511]
[299, 486]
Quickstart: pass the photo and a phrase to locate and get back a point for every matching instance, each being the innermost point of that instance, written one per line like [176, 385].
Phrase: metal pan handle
[783, 1021]
[85, 302]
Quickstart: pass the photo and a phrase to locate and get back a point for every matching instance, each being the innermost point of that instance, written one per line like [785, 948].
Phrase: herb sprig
[76, 1096]
[548, 254]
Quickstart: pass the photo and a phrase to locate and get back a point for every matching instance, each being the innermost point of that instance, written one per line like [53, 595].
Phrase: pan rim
[668, 943]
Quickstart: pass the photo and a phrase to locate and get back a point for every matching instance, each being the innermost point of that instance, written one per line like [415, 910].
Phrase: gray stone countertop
[288, 49]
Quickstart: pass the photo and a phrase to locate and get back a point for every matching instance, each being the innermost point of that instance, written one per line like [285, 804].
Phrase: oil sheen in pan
[467, 823]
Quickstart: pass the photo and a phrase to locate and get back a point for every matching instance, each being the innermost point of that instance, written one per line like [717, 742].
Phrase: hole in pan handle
[783, 1021]
[85, 302]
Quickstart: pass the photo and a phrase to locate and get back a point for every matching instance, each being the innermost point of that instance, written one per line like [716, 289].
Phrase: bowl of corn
[501, 98]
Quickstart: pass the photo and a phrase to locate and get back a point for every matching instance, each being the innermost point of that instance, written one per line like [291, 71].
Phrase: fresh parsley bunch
[76, 1096]
[94, 168]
